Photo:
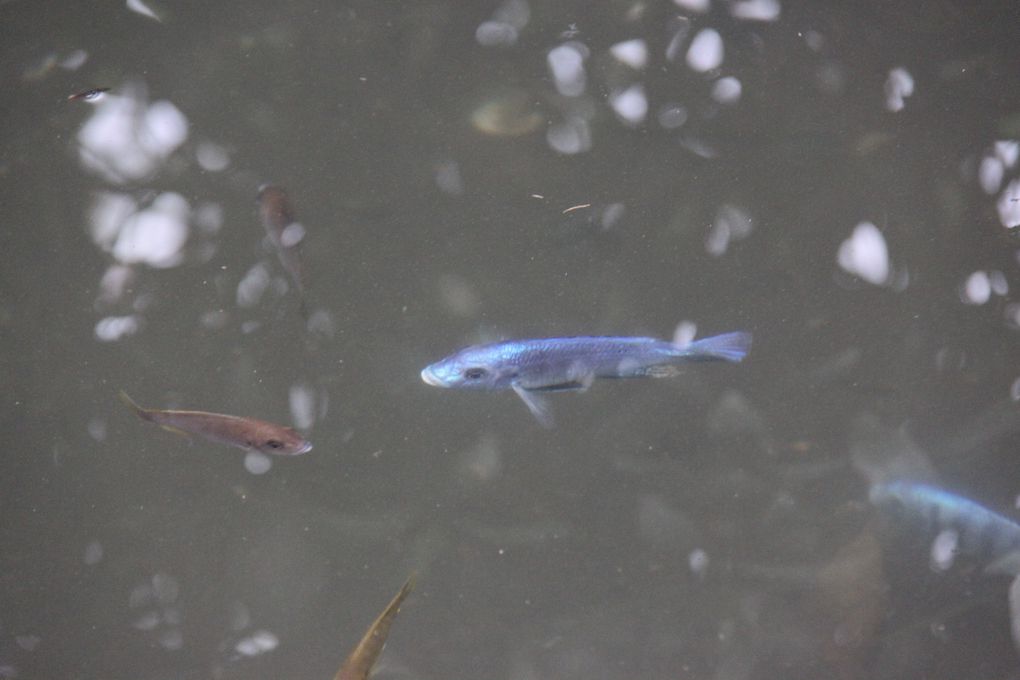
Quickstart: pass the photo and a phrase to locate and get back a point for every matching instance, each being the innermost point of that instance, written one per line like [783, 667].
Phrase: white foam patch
[706, 51]
[865, 254]
[631, 105]
[898, 86]
[633, 53]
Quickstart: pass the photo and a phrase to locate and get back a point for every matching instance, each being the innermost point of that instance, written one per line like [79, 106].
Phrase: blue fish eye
[474, 373]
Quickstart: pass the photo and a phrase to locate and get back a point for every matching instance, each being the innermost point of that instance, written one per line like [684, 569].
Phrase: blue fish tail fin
[727, 347]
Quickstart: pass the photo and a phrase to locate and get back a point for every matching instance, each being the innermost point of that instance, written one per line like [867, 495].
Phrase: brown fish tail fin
[142, 413]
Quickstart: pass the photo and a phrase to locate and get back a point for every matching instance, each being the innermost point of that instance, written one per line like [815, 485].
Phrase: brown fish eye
[273, 444]
[474, 373]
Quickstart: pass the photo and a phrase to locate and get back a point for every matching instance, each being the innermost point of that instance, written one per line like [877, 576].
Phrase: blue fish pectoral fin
[537, 404]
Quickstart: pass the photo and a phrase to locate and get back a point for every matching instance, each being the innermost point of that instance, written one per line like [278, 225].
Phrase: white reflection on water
[700, 6]
[727, 90]
[898, 86]
[977, 289]
[259, 642]
[155, 236]
[126, 139]
[113, 328]
[755, 10]
[706, 51]
[732, 223]
[631, 104]
[257, 463]
[503, 29]
[865, 254]
[1008, 205]
[633, 53]
[566, 63]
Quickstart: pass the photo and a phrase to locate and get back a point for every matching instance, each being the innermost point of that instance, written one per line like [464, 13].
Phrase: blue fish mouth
[430, 378]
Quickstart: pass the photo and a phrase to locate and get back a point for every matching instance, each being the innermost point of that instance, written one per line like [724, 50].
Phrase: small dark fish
[244, 433]
[88, 95]
[284, 231]
[976, 531]
[359, 664]
[531, 367]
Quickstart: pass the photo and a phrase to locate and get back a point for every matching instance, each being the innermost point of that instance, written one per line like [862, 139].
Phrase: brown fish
[283, 230]
[245, 433]
[359, 664]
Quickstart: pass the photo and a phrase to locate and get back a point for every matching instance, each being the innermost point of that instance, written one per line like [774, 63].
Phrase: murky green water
[839, 179]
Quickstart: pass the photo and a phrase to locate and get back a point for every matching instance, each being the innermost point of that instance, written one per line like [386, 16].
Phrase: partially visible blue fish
[531, 367]
[979, 533]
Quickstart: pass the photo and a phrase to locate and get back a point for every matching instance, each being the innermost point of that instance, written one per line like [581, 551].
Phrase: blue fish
[981, 534]
[532, 367]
